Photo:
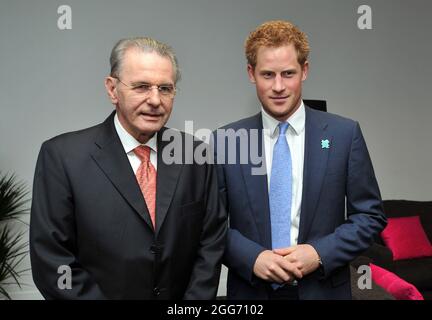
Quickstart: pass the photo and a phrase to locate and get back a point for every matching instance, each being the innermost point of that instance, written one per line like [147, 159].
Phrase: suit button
[156, 291]
[156, 249]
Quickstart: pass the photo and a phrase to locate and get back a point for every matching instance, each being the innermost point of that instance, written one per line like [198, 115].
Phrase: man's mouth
[151, 116]
[279, 98]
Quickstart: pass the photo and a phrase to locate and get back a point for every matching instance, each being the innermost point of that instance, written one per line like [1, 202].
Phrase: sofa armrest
[373, 293]
[380, 255]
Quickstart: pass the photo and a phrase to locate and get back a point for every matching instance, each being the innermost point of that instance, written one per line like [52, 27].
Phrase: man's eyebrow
[139, 83]
[266, 71]
[290, 70]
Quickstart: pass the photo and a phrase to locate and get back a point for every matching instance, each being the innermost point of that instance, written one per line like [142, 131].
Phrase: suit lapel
[112, 159]
[315, 165]
[167, 177]
[257, 186]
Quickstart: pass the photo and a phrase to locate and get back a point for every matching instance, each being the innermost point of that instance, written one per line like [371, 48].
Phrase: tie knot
[283, 127]
[143, 153]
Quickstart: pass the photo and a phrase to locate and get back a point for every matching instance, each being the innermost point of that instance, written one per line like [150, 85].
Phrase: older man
[109, 208]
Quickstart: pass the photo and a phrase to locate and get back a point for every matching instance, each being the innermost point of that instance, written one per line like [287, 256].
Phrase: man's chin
[281, 112]
[145, 133]
[150, 127]
[280, 115]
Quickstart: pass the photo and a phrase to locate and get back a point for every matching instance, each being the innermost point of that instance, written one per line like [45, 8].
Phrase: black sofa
[416, 271]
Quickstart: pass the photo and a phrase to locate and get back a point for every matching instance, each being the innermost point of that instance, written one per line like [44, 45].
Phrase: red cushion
[398, 288]
[406, 238]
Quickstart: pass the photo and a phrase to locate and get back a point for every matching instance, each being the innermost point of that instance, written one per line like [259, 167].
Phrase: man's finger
[292, 269]
[279, 275]
[284, 251]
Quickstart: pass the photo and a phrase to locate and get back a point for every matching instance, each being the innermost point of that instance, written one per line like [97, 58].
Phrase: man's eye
[267, 75]
[166, 89]
[288, 74]
[142, 87]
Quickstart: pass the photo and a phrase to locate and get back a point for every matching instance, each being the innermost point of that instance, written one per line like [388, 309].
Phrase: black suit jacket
[88, 213]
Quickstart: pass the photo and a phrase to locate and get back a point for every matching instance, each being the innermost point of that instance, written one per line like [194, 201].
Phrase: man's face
[278, 78]
[142, 114]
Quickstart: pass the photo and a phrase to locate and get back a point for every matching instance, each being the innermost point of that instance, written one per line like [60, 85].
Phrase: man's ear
[305, 70]
[251, 73]
[111, 89]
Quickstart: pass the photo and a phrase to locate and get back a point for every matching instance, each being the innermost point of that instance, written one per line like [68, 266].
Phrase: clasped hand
[286, 264]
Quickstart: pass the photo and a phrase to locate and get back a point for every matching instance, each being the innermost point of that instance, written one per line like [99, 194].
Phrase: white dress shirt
[130, 143]
[296, 139]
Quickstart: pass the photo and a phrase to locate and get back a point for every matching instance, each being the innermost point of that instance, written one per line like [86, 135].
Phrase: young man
[289, 237]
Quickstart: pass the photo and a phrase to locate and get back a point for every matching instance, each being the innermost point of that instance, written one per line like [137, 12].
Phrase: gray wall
[51, 81]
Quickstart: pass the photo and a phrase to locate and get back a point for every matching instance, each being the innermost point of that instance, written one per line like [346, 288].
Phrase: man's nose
[278, 85]
[154, 98]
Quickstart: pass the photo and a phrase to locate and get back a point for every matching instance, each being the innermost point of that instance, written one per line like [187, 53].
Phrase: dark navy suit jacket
[341, 208]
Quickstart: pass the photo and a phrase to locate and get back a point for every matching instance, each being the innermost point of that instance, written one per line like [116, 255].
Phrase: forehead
[277, 57]
[138, 65]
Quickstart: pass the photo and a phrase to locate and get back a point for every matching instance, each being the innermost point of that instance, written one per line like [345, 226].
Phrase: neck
[287, 116]
[143, 138]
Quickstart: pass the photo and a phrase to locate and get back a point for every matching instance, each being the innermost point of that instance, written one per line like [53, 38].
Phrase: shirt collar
[128, 141]
[296, 121]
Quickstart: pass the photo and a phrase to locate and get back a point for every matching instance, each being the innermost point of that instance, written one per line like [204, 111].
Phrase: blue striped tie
[280, 191]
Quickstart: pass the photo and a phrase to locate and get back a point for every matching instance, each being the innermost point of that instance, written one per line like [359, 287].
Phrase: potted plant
[12, 247]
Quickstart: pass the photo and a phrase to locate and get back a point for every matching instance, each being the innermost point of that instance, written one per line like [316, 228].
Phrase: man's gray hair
[146, 45]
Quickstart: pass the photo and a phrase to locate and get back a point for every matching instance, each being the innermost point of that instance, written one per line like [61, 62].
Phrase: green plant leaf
[12, 248]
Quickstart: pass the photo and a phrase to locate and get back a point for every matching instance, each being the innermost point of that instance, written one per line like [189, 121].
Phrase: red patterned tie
[146, 176]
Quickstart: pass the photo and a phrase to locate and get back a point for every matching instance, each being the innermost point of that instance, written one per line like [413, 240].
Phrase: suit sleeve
[365, 216]
[53, 232]
[206, 271]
